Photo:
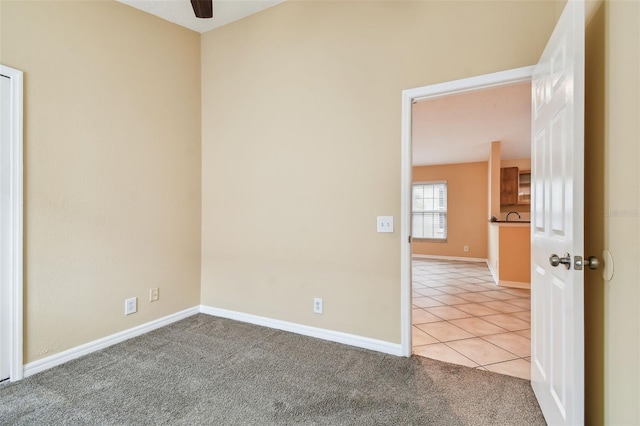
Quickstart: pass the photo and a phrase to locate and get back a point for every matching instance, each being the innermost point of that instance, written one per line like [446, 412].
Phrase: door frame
[408, 97]
[15, 221]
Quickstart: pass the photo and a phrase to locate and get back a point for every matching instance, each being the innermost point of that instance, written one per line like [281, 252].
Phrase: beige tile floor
[460, 316]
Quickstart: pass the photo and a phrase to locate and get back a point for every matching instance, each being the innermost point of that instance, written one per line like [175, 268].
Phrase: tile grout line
[475, 336]
[481, 365]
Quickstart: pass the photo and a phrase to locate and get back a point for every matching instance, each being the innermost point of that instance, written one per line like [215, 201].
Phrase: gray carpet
[211, 371]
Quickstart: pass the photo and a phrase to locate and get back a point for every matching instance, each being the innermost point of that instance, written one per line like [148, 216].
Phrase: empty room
[206, 220]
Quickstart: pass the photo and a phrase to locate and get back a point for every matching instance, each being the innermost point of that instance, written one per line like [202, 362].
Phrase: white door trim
[15, 220]
[408, 96]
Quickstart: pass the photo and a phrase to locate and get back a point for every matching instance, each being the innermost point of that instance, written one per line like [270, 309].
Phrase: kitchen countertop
[511, 223]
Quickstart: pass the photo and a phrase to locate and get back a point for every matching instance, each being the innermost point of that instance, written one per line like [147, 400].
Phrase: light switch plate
[385, 223]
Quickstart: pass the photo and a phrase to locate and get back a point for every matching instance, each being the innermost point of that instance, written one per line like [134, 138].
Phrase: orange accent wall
[466, 209]
[515, 254]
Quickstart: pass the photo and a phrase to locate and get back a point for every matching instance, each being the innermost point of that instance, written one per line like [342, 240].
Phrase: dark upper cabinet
[509, 185]
[515, 186]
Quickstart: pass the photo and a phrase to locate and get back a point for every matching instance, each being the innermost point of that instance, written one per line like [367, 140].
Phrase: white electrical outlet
[317, 305]
[131, 306]
[154, 294]
[466, 249]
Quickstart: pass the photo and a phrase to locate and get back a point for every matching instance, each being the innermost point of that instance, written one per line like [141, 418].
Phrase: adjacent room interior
[470, 231]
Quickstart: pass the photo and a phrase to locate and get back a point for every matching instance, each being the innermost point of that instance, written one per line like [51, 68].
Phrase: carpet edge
[60, 358]
[305, 330]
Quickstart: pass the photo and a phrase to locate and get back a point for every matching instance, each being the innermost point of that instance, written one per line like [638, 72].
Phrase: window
[429, 210]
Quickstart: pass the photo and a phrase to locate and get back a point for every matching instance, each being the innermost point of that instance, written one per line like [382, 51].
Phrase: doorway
[459, 315]
[408, 98]
[11, 264]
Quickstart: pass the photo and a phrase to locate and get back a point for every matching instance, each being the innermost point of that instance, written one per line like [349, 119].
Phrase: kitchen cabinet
[508, 185]
[515, 186]
[524, 187]
[510, 253]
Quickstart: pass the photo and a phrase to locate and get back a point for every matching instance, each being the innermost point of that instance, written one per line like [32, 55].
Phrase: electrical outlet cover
[131, 306]
[154, 294]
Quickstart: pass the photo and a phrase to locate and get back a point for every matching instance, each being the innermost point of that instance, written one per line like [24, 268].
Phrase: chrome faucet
[510, 213]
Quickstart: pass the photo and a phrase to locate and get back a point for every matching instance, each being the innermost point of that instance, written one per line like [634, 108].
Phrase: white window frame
[441, 212]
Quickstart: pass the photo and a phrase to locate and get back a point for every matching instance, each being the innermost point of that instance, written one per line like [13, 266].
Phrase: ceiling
[180, 11]
[459, 128]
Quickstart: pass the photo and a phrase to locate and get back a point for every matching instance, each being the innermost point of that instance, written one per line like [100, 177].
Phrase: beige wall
[466, 209]
[493, 173]
[520, 163]
[612, 154]
[493, 203]
[301, 146]
[112, 167]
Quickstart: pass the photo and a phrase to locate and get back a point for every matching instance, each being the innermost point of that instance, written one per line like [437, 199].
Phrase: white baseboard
[73, 353]
[514, 284]
[330, 335]
[494, 273]
[319, 333]
[463, 259]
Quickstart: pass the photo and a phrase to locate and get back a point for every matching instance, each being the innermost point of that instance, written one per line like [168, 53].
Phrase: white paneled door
[557, 216]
